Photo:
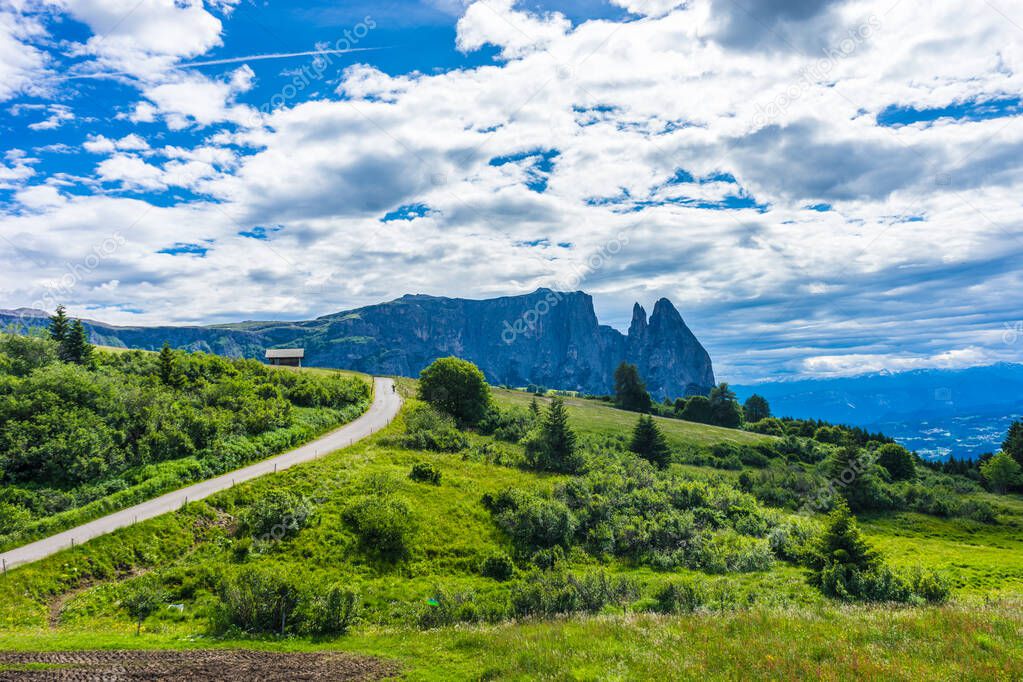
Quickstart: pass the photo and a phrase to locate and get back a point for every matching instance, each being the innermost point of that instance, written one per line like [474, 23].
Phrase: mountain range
[546, 337]
[937, 412]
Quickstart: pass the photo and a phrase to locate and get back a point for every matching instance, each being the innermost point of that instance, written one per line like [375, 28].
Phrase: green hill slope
[413, 555]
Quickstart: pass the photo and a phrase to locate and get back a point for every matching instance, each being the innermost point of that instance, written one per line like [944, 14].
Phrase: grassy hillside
[81, 440]
[430, 608]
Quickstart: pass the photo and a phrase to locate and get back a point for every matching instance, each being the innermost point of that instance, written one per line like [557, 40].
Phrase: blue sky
[816, 184]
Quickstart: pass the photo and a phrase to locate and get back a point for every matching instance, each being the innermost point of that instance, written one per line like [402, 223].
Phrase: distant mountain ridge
[546, 337]
[938, 412]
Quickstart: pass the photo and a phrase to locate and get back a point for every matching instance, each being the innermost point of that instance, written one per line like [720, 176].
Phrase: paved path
[386, 403]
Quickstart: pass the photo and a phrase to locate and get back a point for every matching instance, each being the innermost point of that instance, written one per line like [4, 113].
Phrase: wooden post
[5, 566]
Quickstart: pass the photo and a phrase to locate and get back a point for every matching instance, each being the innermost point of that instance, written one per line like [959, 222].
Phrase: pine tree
[843, 543]
[60, 327]
[557, 433]
[551, 446]
[76, 347]
[1014, 442]
[170, 375]
[756, 408]
[534, 408]
[649, 443]
[630, 391]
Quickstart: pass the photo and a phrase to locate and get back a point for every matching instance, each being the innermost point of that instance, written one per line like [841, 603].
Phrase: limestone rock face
[546, 337]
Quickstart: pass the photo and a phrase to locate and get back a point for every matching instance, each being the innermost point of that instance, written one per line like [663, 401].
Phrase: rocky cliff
[545, 337]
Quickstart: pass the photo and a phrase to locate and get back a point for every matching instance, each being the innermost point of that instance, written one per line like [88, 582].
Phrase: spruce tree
[59, 324]
[649, 443]
[1014, 442]
[170, 375]
[630, 391]
[76, 347]
[551, 446]
[60, 328]
[842, 543]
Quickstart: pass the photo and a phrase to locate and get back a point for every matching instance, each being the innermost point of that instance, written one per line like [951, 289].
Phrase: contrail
[229, 60]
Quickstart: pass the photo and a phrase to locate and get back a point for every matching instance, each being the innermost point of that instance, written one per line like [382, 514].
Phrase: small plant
[498, 566]
[142, 599]
[681, 596]
[424, 472]
[333, 612]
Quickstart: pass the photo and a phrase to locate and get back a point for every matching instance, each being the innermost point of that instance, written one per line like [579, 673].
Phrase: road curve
[386, 403]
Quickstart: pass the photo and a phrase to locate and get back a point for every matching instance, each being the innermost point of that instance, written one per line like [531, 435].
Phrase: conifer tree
[170, 374]
[60, 328]
[649, 443]
[76, 347]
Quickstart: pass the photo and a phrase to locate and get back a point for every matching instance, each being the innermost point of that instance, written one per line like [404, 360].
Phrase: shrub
[277, 515]
[680, 596]
[537, 523]
[545, 593]
[260, 599]
[929, 586]
[424, 472]
[498, 566]
[333, 612]
[897, 460]
[142, 598]
[384, 526]
[457, 387]
[428, 429]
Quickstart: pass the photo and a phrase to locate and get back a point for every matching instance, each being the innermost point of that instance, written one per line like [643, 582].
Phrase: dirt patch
[227, 665]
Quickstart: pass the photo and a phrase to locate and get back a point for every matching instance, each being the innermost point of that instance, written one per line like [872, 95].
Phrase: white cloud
[99, 144]
[21, 63]
[144, 37]
[517, 33]
[131, 172]
[515, 174]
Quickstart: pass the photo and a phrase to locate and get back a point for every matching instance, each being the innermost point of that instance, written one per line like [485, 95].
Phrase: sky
[822, 187]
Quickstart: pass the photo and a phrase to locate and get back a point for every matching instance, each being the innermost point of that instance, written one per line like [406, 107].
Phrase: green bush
[424, 472]
[428, 429]
[260, 600]
[383, 525]
[680, 596]
[544, 594]
[498, 566]
[277, 515]
[332, 612]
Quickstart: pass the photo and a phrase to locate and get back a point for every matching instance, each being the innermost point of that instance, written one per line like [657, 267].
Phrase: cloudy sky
[821, 186]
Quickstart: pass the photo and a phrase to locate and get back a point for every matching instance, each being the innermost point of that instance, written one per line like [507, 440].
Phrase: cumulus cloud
[498, 23]
[733, 153]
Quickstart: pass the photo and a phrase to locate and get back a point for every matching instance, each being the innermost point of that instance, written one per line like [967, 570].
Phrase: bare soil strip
[223, 665]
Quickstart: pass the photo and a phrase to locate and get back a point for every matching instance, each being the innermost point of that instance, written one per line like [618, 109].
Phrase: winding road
[386, 403]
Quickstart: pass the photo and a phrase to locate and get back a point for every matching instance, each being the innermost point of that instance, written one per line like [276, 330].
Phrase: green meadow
[764, 622]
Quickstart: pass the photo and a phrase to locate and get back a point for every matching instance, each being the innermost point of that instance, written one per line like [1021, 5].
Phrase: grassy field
[595, 417]
[775, 626]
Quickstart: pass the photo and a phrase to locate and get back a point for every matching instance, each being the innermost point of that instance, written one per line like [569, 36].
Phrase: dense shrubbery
[424, 472]
[261, 599]
[429, 429]
[277, 515]
[383, 525]
[72, 433]
[635, 512]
